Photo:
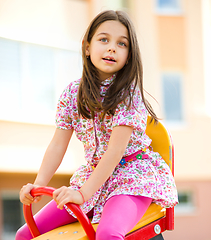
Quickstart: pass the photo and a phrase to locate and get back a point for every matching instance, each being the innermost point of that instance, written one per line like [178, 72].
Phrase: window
[172, 97]
[168, 7]
[12, 215]
[186, 203]
[41, 73]
[10, 75]
[32, 78]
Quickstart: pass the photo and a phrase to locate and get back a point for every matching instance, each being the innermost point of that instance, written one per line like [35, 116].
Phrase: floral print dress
[149, 177]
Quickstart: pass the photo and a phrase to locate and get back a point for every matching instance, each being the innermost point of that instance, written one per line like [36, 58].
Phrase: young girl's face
[109, 48]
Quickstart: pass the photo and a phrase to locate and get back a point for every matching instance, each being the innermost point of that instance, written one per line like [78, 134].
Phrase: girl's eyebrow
[104, 33]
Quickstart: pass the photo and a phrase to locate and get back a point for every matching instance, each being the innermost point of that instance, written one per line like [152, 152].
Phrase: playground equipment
[155, 221]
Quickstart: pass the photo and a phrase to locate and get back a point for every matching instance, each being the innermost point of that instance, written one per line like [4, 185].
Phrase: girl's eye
[103, 40]
[122, 44]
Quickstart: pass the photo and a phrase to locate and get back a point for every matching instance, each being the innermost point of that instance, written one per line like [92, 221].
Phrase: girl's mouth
[109, 59]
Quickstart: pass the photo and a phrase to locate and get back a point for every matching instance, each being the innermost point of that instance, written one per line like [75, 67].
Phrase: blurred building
[40, 54]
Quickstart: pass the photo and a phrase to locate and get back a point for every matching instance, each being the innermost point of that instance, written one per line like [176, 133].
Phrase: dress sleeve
[63, 113]
[135, 116]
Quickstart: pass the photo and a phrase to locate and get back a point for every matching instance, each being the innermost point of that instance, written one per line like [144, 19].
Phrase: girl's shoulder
[73, 86]
[70, 92]
[76, 82]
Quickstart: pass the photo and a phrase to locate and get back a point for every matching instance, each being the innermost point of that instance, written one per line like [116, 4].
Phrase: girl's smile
[109, 59]
[109, 48]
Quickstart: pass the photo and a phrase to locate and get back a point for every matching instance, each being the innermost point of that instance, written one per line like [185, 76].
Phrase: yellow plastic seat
[74, 231]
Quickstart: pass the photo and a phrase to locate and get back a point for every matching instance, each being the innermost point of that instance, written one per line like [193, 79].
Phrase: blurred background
[40, 54]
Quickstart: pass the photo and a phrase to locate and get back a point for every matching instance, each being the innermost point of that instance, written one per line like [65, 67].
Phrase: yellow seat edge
[154, 212]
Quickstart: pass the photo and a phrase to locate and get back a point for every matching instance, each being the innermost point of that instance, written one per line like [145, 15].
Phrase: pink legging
[120, 214]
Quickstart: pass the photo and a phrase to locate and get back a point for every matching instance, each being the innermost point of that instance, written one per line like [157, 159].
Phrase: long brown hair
[131, 74]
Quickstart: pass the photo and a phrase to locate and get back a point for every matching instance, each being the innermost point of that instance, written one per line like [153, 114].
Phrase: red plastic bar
[82, 218]
[27, 212]
[169, 218]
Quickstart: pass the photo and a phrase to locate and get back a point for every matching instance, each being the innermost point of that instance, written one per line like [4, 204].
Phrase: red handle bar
[82, 218]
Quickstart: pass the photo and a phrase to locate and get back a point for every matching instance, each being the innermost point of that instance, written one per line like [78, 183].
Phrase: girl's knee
[19, 235]
[23, 233]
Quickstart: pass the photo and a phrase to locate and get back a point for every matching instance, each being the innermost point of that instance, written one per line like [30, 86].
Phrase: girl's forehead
[112, 27]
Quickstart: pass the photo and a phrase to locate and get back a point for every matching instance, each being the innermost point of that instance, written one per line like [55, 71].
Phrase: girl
[108, 112]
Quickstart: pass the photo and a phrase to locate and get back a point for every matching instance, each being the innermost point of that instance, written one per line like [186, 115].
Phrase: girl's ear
[87, 49]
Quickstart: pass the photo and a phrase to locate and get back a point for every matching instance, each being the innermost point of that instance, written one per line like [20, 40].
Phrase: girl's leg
[120, 214]
[48, 218]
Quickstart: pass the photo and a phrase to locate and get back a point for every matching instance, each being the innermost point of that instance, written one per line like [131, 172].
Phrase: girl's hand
[64, 195]
[25, 196]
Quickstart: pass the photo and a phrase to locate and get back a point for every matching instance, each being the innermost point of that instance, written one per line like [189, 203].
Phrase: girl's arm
[117, 145]
[53, 156]
[51, 161]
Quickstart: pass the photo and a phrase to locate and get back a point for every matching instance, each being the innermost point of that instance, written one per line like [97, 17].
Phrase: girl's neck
[103, 77]
[109, 76]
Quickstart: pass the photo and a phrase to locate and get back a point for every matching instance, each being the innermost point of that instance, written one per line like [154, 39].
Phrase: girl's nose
[111, 49]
